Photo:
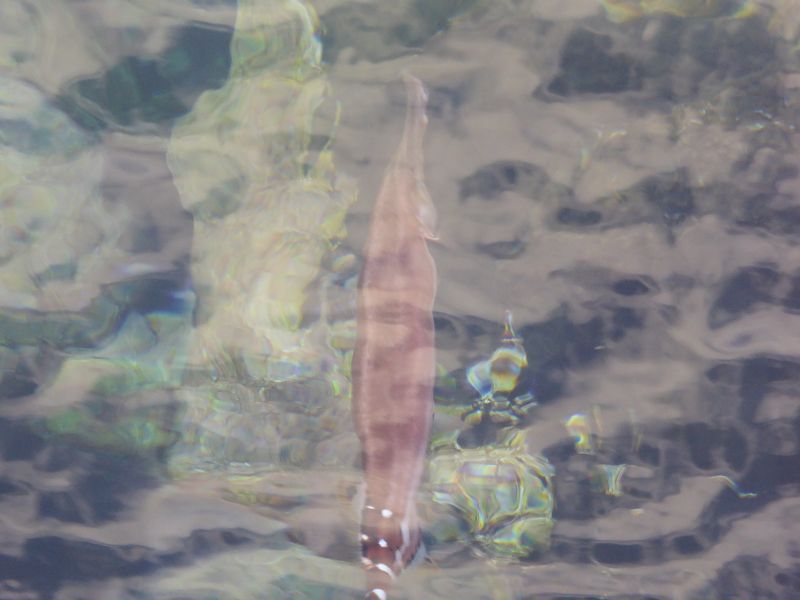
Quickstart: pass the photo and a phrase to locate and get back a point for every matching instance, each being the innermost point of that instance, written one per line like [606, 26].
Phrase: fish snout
[380, 577]
[380, 570]
[389, 542]
[376, 594]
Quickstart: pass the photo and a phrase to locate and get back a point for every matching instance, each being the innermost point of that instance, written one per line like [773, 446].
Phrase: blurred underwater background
[185, 187]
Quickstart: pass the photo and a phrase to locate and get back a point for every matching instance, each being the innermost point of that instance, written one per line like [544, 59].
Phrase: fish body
[394, 358]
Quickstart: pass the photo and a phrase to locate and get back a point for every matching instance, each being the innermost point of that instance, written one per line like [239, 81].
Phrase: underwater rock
[501, 490]
[588, 66]
[268, 208]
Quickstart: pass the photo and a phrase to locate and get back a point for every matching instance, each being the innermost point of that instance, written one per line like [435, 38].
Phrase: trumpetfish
[394, 358]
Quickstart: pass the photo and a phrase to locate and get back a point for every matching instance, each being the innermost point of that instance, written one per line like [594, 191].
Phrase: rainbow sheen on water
[610, 479]
[622, 11]
[253, 164]
[502, 492]
[579, 428]
[495, 379]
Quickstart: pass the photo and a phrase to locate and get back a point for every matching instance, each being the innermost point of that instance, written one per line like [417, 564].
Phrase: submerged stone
[501, 491]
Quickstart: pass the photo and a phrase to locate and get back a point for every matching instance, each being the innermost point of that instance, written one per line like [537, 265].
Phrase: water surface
[184, 191]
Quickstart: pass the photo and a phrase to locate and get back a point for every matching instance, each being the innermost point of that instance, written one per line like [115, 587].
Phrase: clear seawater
[185, 188]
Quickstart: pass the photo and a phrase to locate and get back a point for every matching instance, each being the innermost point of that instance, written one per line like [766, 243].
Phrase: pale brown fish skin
[394, 358]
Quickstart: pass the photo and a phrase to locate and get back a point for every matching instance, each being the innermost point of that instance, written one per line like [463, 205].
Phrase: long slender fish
[394, 361]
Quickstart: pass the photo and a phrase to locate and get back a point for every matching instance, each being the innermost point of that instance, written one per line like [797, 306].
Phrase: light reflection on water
[183, 190]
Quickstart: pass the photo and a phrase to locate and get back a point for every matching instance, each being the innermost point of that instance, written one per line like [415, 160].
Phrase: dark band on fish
[400, 313]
